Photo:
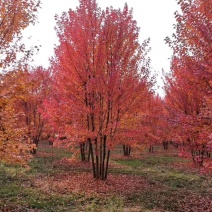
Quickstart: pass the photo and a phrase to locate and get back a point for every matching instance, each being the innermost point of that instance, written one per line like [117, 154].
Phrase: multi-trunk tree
[154, 122]
[97, 79]
[34, 86]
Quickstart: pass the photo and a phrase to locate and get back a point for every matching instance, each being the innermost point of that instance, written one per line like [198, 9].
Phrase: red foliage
[188, 99]
[97, 79]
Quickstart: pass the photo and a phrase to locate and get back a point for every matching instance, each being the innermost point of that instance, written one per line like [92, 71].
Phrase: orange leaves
[15, 151]
[21, 96]
[10, 132]
[15, 15]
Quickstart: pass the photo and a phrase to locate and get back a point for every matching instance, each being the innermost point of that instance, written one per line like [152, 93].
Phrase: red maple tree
[189, 92]
[97, 79]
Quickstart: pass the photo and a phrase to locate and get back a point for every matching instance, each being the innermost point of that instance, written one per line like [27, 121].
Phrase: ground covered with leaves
[159, 181]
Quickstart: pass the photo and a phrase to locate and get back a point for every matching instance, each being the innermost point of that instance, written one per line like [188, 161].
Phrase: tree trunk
[165, 145]
[107, 162]
[151, 148]
[34, 150]
[101, 159]
[127, 150]
[92, 157]
[82, 152]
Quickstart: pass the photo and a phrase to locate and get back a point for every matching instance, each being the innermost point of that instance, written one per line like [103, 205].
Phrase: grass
[168, 183]
[156, 169]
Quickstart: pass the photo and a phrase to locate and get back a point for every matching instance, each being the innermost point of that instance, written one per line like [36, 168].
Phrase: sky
[155, 18]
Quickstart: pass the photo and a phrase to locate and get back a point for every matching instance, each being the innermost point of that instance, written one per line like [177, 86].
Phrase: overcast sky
[154, 17]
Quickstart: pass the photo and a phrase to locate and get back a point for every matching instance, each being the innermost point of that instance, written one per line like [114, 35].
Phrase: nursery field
[158, 181]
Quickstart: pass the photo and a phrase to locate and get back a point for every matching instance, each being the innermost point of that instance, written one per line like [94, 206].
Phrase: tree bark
[127, 150]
